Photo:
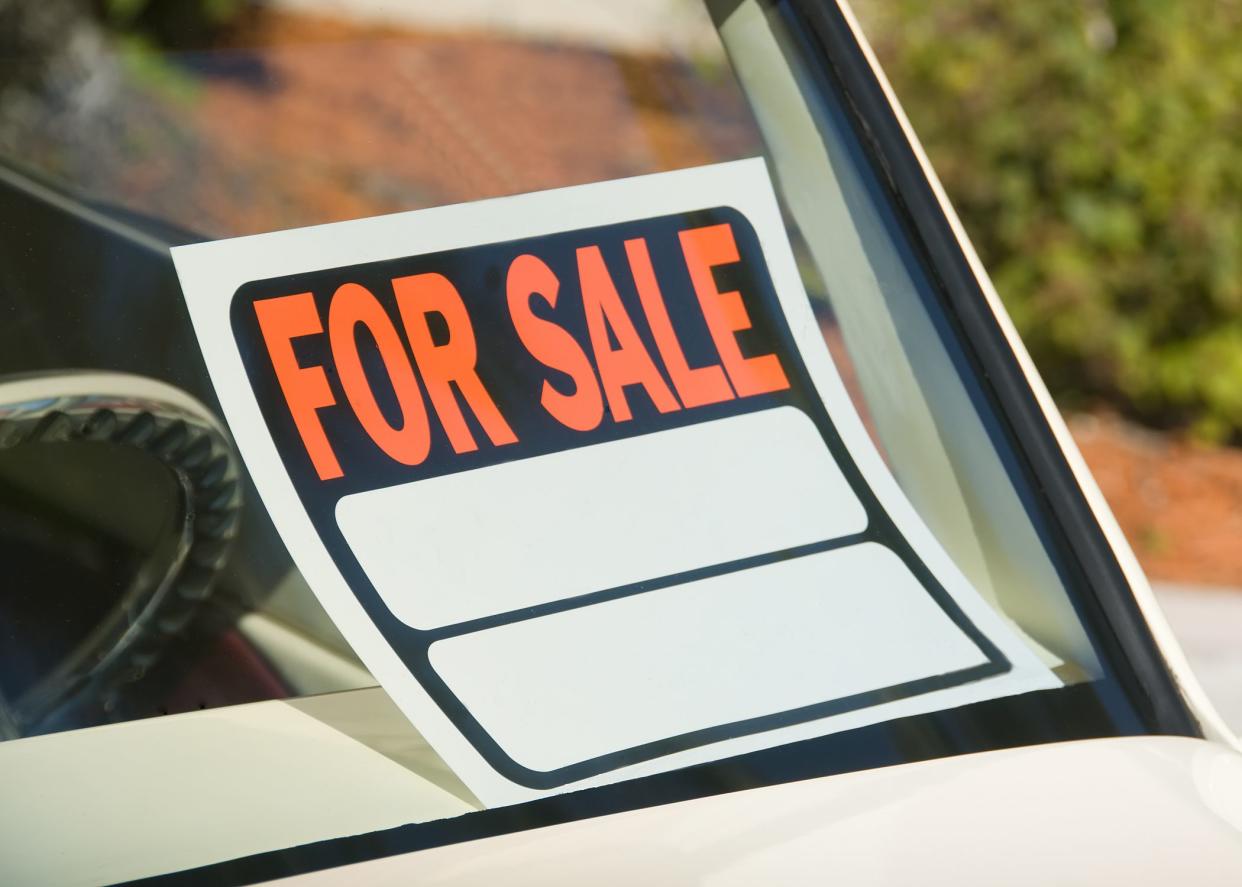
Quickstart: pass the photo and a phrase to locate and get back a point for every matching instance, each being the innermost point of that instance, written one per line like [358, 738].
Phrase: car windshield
[143, 574]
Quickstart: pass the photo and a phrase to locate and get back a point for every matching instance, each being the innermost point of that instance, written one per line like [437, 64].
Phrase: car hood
[1150, 810]
[174, 793]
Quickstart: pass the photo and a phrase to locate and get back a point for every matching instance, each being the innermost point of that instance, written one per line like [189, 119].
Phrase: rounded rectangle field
[519, 534]
[837, 630]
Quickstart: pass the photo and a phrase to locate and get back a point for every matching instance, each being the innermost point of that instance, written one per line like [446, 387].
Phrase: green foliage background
[1094, 152]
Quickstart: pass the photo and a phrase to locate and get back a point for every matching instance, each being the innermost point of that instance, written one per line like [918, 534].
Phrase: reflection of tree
[55, 76]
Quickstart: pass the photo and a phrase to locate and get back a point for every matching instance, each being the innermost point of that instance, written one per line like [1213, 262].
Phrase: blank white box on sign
[571, 686]
[497, 539]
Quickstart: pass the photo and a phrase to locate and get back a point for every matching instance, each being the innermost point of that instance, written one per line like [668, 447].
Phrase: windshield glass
[144, 575]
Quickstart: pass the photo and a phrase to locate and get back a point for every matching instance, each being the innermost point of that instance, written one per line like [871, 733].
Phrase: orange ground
[1179, 503]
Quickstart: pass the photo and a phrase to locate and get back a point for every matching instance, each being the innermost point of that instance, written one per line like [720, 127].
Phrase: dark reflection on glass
[87, 531]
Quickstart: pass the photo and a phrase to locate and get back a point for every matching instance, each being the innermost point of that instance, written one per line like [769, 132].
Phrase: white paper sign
[575, 474]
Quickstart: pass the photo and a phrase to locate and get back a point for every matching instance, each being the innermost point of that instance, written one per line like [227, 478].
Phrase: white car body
[124, 802]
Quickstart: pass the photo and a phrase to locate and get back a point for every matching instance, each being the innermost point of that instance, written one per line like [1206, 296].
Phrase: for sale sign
[574, 473]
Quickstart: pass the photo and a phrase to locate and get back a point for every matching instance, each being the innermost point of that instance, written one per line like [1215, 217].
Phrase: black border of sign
[413, 645]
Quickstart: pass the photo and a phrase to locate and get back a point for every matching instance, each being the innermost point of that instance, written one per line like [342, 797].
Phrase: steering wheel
[119, 500]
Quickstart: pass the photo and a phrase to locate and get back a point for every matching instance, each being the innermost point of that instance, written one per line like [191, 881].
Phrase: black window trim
[1151, 685]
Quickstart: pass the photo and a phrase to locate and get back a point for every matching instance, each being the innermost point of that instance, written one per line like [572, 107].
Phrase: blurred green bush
[174, 23]
[1094, 152]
